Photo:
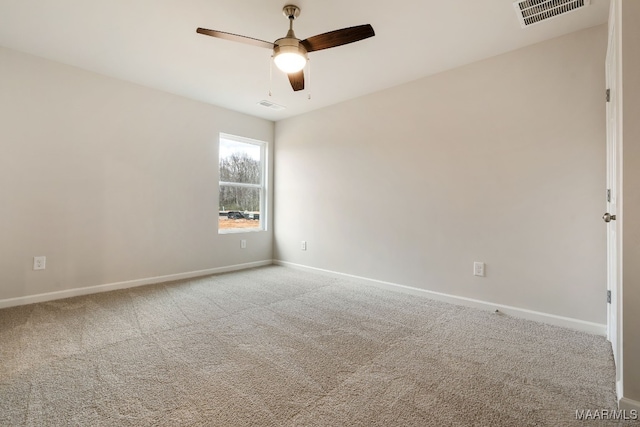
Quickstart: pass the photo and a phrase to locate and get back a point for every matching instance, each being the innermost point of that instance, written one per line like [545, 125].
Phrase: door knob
[608, 217]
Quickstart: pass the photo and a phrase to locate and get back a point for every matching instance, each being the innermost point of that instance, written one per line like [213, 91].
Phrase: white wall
[630, 13]
[109, 180]
[500, 161]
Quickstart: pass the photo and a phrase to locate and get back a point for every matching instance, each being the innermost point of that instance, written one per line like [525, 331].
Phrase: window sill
[240, 230]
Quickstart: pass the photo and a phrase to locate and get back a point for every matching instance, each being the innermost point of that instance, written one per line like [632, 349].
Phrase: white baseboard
[552, 319]
[49, 296]
[629, 405]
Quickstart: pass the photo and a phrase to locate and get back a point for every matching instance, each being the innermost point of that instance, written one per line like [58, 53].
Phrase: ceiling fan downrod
[291, 12]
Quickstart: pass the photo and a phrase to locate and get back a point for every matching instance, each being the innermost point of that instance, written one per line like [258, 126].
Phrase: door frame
[613, 70]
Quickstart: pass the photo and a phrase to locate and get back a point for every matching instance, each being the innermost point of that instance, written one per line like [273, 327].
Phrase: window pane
[241, 186]
[239, 208]
[240, 162]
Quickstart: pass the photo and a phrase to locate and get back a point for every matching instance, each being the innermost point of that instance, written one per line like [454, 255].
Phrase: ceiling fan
[289, 52]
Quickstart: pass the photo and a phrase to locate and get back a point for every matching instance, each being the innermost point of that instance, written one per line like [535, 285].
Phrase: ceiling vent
[271, 105]
[533, 11]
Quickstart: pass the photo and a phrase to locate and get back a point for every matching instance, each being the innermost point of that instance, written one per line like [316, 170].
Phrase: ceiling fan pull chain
[270, 74]
[309, 83]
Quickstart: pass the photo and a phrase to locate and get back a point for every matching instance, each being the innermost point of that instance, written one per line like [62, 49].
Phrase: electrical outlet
[39, 262]
[243, 244]
[478, 269]
[303, 245]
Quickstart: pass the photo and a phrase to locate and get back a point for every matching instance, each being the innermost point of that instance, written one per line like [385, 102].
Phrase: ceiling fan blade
[338, 37]
[235, 38]
[297, 80]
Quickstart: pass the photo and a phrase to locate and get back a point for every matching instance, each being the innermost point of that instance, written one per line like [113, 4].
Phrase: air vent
[533, 11]
[271, 105]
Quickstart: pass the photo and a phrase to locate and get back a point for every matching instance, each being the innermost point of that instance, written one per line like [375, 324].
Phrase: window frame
[261, 187]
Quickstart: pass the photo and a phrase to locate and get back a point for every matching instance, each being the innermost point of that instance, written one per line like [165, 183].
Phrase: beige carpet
[279, 347]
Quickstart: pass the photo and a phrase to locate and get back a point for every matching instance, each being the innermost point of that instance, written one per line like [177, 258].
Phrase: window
[242, 184]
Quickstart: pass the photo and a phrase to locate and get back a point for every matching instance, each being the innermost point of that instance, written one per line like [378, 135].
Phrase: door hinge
[608, 196]
[608, 95]
[609, 297]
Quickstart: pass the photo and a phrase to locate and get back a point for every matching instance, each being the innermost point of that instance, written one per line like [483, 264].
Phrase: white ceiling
[154, 43]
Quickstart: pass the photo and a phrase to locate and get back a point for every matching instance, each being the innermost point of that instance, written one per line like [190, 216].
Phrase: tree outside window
[242, 176]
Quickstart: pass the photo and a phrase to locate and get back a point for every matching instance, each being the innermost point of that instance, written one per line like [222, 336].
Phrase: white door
[614, 326]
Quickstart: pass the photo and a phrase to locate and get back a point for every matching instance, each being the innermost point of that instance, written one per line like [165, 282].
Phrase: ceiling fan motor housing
[289, 45]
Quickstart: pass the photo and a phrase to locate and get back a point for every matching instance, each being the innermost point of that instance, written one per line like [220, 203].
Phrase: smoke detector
[533, 11]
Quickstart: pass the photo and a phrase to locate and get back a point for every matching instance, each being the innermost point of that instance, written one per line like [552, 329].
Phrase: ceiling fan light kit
[289, 52]
[289, 55]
